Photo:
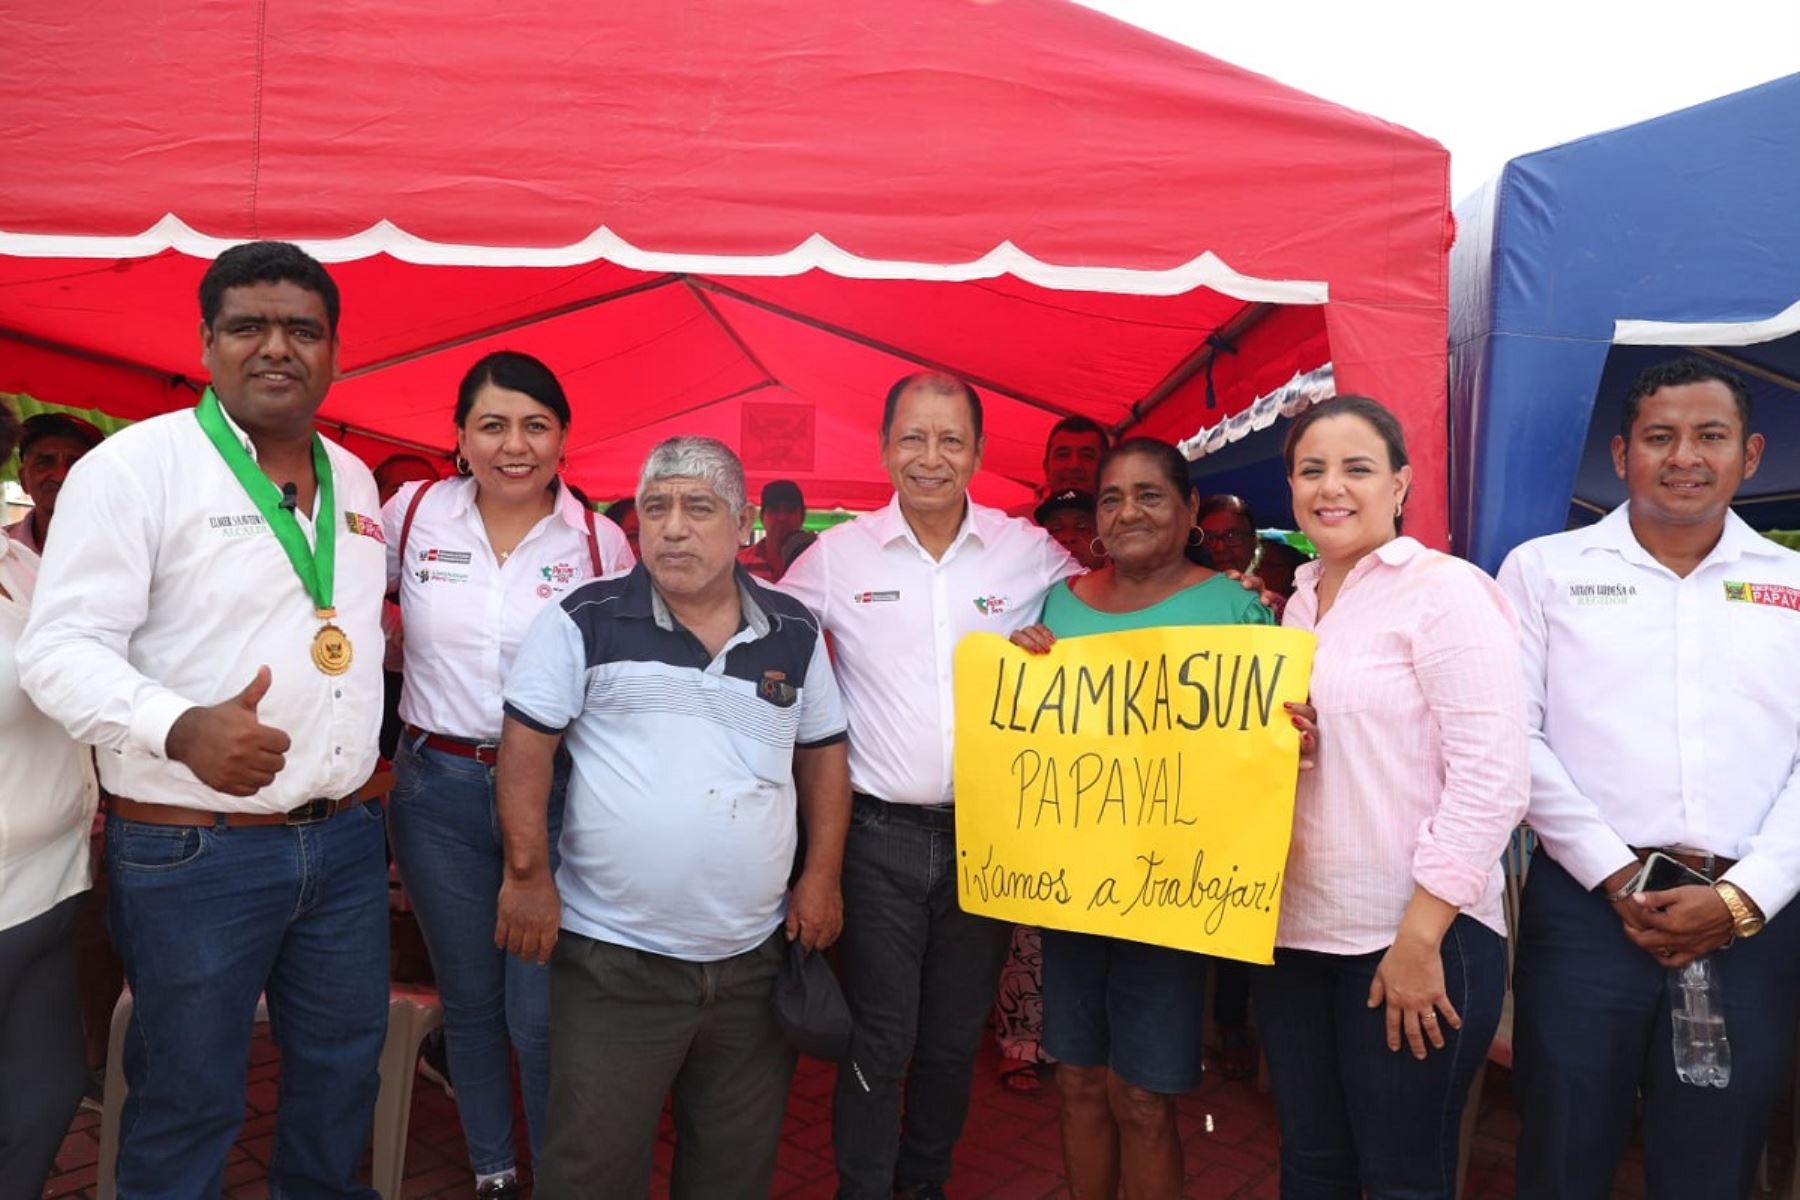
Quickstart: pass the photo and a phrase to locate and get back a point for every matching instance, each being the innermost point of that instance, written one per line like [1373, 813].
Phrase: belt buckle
[487, 753]
[312, 812]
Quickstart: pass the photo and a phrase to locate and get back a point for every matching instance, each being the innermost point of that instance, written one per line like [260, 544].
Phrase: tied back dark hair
[266, 262]
[1371, 412]
[1679, 372]
[515, 372]
[1167, 459]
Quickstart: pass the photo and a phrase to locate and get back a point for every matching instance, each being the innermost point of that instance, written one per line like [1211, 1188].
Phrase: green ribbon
[316, 567]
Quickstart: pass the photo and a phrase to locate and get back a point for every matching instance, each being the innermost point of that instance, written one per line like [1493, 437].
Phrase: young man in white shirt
[1661, 651]
[209, 616]
[897, 589]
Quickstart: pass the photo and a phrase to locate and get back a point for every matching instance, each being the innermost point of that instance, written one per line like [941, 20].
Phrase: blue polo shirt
[681, 821]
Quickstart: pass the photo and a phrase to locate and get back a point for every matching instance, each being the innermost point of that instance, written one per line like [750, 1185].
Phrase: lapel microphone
[290, 496]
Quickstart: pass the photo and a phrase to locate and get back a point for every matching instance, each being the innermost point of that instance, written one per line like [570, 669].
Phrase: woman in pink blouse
[1390, 956]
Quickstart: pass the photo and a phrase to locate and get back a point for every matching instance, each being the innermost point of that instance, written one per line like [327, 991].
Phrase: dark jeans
[205, 920]
[446, 840]
[1355, 1116]
[920, 975]
[629, 1028]
[41, 1065]
[1591, 1030]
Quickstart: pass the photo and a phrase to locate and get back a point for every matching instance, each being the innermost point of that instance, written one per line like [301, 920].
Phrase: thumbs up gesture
[226, 746]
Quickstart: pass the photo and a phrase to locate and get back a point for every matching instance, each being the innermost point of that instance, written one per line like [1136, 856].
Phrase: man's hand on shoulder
[226, 746]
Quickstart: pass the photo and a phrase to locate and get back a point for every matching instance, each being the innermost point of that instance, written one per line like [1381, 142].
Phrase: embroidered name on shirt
[1778, 595]
[242, 525]
[456, 557]
[990, 606]
[560, 574]
[874, 597]
[1601, 595]
[359, 524]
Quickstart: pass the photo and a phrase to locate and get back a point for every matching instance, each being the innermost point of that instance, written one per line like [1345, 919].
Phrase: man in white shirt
[1661, 651]
[896, 590]
[209, 616]
[51, 443]
[701, 716]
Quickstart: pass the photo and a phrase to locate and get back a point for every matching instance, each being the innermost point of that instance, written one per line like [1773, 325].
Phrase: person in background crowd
[49, 445]
[1068, 517]
[1122, 1018]
[702, 715]
[209, 615]
[795, 544]
[1662, 674]
[475, 559]
[1230, 529]
[783, 514]
[896, 589]
[623, 513]
[1390, 956]
[46, 810]
[390, 474]
[1276, 564]
[398, 469]
[1071, 461]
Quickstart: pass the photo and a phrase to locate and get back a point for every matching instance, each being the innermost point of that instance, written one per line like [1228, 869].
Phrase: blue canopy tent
[1582, 264]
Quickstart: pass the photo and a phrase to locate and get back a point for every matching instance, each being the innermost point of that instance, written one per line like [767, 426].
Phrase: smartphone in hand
[1660, 873]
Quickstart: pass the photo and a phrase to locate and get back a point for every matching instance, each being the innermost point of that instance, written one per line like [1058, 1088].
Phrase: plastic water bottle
[1702, 1053]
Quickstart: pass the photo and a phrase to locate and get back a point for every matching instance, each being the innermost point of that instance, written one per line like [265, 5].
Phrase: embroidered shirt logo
[1779, 595]
[990, 606]
[777, 690]
[455, 557]
[238, 526]
[558, 574]
[1601, 595]
[874, 597]
[357, 523]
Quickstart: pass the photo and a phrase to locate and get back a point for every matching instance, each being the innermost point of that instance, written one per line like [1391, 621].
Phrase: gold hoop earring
[1097, 548]
[1196, 542]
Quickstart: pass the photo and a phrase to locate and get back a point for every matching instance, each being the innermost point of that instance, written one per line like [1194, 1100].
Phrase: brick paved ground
[1010, 1151]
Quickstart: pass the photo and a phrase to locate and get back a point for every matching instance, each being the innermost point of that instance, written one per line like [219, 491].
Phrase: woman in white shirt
[46, 807]
[475, 559]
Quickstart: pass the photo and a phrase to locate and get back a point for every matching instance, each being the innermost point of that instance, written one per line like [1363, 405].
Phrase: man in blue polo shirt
[702, 717]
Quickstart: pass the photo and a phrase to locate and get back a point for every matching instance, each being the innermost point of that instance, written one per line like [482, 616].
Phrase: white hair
[697, 458]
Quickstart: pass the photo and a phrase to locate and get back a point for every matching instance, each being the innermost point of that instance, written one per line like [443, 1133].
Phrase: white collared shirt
[463, 613]
[21, 531]
[48, 802]
[1664, 711]
[895, 614]
[166, 590]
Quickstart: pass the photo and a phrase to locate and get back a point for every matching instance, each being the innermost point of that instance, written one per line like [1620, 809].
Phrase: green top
[1220, 600]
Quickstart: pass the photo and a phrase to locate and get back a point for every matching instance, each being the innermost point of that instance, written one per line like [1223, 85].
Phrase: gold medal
[331, 651]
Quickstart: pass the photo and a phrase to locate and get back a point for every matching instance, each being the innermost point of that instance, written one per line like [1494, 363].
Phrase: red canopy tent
[736, 217]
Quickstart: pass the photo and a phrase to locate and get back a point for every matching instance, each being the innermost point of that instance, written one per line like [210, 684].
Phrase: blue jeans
[920, 977]
[204, 921]
[1355, 1116]
[446, 838]
[1592, 1030]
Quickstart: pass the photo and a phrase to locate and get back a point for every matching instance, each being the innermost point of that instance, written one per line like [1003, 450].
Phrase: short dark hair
[1225, 502]
[931, 381]
[9, 430]
[619, 509]
[1168, 460]
[782, 493]
[516, 372]
[1084, 426]
[1372, 412]
[1675, 373]
[266, 262]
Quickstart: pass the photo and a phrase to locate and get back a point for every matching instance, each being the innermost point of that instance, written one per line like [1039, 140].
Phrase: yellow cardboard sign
[1138, 785]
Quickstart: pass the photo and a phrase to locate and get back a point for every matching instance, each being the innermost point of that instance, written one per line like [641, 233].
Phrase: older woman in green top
[1122, 1018]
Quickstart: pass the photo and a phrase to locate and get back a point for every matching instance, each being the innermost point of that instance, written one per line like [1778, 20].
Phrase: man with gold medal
[199, 611]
